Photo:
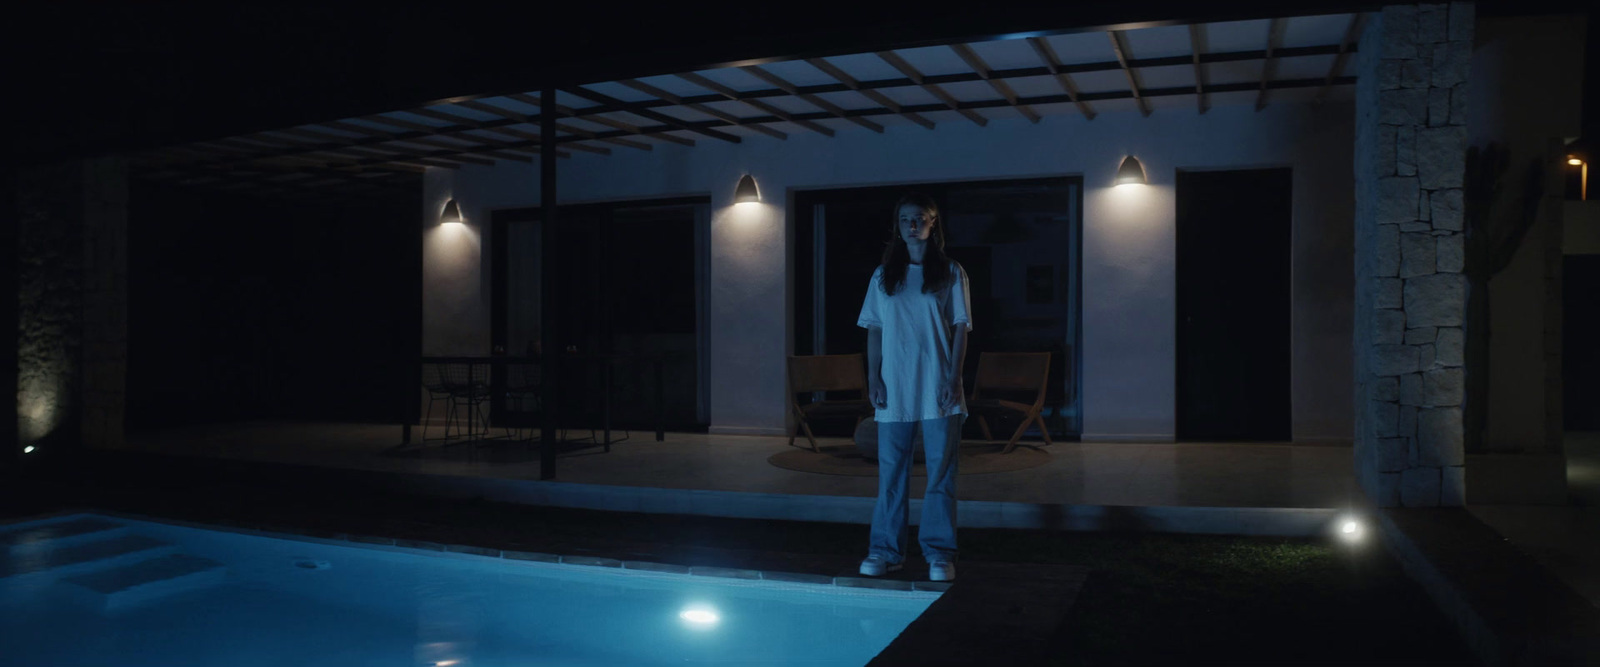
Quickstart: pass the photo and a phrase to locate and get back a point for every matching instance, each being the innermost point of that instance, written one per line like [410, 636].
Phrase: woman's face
[916, 223]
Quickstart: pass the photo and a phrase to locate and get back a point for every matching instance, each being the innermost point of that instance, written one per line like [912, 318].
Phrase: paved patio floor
[1110, 474]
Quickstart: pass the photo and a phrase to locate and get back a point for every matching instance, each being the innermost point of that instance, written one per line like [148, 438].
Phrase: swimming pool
[97, 590]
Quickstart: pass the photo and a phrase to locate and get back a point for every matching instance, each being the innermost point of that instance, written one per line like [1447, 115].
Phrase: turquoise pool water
[91, 590]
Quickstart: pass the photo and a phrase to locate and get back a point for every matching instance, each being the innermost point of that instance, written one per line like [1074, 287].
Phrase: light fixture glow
[1574, 161]
[747, 193]
[1351, 529]
[1131, 172]
[452, 214]
[700, 617]
[28, 449]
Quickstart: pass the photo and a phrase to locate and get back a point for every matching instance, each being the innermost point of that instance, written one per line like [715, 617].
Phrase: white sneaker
[874, 566]
[941, 571]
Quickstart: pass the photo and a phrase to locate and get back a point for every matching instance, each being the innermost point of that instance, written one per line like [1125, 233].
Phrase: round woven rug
[976, 458]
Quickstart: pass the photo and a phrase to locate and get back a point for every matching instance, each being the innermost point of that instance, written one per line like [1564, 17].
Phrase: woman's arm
[953, 390]
[875, 389]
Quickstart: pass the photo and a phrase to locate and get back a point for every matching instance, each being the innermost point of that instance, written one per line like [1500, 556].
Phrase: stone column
[1410, 290]
[72, 303]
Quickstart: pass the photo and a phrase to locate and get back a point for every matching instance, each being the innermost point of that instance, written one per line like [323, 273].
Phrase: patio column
[72, 334]
[1410, 287]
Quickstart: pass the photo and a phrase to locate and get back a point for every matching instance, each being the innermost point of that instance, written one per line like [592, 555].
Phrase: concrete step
[35, 539]
[143, 582]
[84, 557]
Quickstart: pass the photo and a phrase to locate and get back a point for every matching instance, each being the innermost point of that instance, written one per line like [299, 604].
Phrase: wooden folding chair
[1011, 372]
[828, 372]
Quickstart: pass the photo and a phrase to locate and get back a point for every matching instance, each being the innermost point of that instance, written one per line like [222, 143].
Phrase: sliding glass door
[624, 279]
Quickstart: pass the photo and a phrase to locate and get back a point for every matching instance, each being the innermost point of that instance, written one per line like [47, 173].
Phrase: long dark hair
[935, 264]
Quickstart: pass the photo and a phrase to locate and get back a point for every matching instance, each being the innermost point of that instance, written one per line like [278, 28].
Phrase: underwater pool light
[700, 616]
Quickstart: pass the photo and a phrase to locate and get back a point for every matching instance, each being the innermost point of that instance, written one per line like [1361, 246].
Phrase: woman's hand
[878, 394]
[950, 394]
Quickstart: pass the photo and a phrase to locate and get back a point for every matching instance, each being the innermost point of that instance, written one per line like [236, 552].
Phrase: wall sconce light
[747, 193]
[1131, 172]
[452, 214]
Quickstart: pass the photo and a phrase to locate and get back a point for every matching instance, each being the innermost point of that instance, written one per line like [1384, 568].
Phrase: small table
[605, 359]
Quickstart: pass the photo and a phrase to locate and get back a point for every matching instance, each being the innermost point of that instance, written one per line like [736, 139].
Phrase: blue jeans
[892, 513]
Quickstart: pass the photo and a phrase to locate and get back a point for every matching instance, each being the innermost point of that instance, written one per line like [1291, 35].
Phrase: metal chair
[523, 386]
[433, 382]
[468, 385]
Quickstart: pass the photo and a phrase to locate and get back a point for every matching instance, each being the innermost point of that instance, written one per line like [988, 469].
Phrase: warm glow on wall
[1583, 175]
[38, 402]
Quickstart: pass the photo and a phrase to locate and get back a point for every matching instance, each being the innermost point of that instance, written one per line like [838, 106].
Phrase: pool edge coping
[428, 548]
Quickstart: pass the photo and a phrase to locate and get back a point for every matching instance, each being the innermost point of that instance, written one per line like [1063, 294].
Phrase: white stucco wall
[1128, 257]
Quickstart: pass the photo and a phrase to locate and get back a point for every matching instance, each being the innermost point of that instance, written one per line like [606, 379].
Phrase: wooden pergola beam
[532, 145]
[509, 131]
[850, 82]
[714, 113]
[534, 120]
[602, 98]
[784, 85]
[731, 94]
[1121, 51]
[917, 78]
[347, 156]
[268, 147]
[382, 150]
[1269, 67]
[1148, 93]
[1063, 79]
[1197, 47]
[288, 179]
[376, 148]
[983, 71]
[627, 128]
[1352, 35]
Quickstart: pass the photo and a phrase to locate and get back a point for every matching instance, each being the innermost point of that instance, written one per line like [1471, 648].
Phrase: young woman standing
[916, 314]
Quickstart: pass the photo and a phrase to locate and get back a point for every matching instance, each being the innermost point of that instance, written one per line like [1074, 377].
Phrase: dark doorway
[1233, 305]
[1018, 240]
[1580, 353]
[626, 278]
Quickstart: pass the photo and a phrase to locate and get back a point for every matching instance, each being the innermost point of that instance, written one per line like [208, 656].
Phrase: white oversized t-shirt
[918, 341]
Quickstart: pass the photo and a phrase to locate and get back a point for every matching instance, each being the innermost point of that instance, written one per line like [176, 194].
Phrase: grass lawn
[1150, 598]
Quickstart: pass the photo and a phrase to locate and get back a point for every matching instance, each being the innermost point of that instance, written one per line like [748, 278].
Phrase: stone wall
[50, 206]
[72, 303]
[1411, 291]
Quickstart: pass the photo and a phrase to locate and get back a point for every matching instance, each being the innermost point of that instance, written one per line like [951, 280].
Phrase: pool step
[84, 557]
[131, 585]
[36, 539]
